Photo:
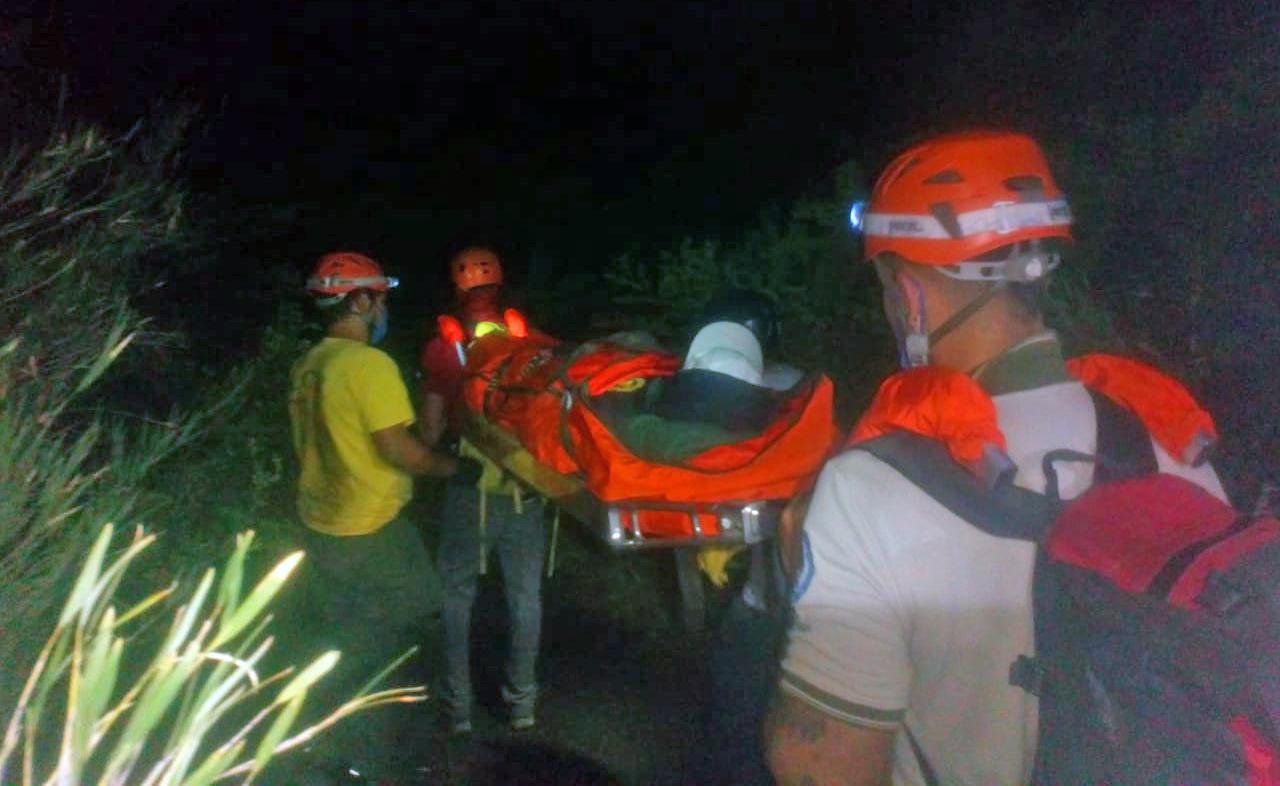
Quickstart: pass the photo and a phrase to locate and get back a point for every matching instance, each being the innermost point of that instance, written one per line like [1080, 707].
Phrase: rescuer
[907, 618]
[747, 640]
[495, 513]
[350, 416]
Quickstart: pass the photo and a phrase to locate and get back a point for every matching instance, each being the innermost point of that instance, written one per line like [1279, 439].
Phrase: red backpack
[1157, 606]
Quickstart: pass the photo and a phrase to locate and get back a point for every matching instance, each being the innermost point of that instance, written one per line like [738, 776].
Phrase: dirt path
[620, 688]
[618, 697]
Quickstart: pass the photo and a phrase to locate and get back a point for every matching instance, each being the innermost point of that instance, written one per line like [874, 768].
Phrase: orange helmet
[475, 267]
[342, 272]
[948, 201]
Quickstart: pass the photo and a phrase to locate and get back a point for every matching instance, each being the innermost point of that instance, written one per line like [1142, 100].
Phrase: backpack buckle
[1027, 673]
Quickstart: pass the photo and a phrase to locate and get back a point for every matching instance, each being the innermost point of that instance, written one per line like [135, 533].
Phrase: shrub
[242, 467]
[196, 712]
[807, 262]
[84, 221]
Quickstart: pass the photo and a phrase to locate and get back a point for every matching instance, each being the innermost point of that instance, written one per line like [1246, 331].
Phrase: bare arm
[807, 747]
[790, 533]
[402, 449]
[432, 419]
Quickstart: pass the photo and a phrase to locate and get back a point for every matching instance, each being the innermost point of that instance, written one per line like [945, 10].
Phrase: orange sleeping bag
[539, 391]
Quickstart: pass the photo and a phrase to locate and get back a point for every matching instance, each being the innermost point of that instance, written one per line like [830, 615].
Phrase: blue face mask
[379, 329]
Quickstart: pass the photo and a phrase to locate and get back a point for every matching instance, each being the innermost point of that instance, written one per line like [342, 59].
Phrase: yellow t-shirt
[340, 393]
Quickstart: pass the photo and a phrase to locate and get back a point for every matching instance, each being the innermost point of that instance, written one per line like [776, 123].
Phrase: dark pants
[746, 648]
[375, 596]
[518, 537]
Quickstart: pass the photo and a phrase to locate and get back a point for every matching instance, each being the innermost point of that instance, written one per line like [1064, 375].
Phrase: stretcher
[531, 406]
[631, 525]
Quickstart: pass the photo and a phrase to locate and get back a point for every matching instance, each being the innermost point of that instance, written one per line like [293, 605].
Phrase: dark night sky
[605, 87]
[653, 119]
[570, 131]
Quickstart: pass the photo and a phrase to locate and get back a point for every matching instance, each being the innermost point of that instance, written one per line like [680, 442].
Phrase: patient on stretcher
[715, 399]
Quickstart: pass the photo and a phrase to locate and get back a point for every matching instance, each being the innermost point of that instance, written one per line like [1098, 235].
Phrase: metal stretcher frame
[740, 522]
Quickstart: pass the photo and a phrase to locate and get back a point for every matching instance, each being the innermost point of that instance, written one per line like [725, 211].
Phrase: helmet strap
[960, 317]
[329, 300]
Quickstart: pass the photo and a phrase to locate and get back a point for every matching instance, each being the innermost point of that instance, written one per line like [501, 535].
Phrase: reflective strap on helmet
[1002, 217]
[322, 283]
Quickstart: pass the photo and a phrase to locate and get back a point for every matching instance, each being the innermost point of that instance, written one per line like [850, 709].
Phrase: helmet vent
[906, 167]
[945, 177]
[946, 216]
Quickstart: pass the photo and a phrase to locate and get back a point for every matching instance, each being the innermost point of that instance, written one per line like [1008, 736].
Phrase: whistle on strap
[451, 330]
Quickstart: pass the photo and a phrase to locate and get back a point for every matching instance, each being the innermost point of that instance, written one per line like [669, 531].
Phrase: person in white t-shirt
[907, 618]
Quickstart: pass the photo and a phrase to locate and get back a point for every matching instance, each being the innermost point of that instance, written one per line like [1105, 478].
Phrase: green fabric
[655, 438]
[670, 441]
[1034, 363]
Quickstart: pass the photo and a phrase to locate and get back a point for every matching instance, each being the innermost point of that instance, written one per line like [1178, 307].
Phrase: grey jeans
[519, 539]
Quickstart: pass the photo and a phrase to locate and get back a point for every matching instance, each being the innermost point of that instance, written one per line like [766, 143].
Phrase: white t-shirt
[910, 613]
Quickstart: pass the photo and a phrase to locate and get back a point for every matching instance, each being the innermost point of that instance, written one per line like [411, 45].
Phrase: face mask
[378, 330]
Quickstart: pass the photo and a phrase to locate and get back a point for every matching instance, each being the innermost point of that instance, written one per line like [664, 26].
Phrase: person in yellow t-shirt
[349, 412]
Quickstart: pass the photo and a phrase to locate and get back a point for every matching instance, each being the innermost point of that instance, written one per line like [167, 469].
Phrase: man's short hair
[340, 309]
[1028, 297]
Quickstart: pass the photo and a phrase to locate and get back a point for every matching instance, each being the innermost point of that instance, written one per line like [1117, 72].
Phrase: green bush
[83, 222]
[242, 468]
[88, 225]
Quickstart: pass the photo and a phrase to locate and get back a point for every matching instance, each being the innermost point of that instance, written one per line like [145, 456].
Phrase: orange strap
[1173, 418]
[516, 324]
[611, 366]
[451, 329]
[952, 408]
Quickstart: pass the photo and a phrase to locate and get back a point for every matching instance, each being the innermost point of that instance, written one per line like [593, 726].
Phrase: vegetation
[804, 260]
[79, 220]
[1176, 236]
[829, 303]
[188, 707]
[89, 224]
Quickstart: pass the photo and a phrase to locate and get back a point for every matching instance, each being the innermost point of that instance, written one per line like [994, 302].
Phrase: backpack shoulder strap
[515, 323]
[1124, 446]
[1006, 511]
[451, 328]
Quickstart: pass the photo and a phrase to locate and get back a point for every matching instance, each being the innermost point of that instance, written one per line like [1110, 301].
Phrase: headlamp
[855, 215]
